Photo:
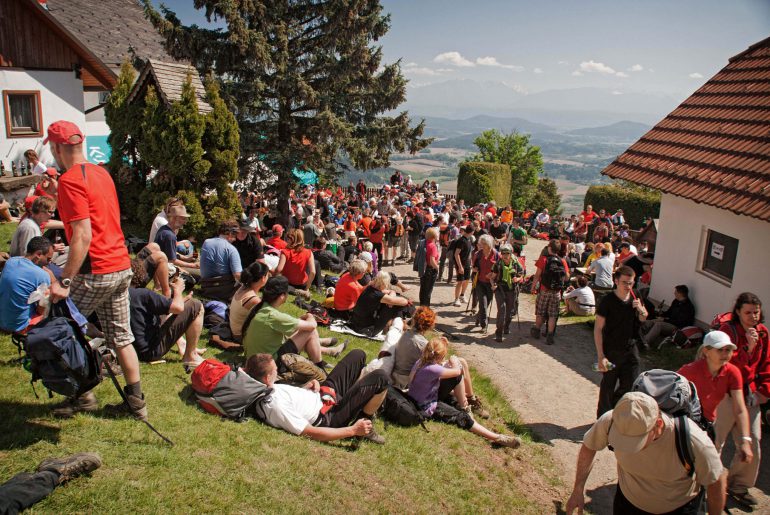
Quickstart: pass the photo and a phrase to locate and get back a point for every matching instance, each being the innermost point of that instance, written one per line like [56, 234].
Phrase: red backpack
[227, 391]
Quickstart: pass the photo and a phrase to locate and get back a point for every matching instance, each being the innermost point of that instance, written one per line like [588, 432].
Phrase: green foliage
[221, 138]
[482, 182]
[514, 149]
[304, 81]
[545, 195]
[636, 204]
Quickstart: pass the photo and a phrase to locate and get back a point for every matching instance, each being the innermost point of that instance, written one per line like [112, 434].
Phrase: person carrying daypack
[652, 475]
[228, 391]
[550, 279]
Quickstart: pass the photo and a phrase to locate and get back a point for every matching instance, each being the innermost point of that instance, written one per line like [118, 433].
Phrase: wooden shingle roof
[715, 147]
[168, 79]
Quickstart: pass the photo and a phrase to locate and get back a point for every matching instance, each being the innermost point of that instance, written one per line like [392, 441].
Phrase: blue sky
[666, 46]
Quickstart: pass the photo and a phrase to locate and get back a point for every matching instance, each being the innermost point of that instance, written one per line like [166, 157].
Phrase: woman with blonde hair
[377, 306]
[296, 262]
[483, 263]
[438, 387]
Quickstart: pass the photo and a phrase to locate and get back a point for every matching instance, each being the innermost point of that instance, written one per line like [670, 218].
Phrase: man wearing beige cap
[98, 270]
[651, 476]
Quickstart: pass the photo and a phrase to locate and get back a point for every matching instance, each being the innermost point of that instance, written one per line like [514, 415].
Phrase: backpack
[398, 229]
[677, 397]
[554, 275]
[685, 338]
[315, 308]
[443, 237]
[399, 409]
[419, 258]
[224, 390]
[60, 356]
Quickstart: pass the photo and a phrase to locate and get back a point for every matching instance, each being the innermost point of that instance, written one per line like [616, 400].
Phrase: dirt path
[552, 387]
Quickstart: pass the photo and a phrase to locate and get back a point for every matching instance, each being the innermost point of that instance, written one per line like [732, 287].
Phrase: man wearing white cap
[651, 477]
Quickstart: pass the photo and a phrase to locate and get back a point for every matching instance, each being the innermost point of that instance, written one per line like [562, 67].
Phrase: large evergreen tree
[304, 80]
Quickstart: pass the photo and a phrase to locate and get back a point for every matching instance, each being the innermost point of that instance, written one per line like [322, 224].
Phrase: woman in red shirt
[483, 262]
[296, 263]
[749, 334]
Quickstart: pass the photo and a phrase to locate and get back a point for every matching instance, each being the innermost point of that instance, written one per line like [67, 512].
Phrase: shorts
[172, 329]
[394, 241]
[466, 275]
[288, 347]
[547, 303]
[107, 296]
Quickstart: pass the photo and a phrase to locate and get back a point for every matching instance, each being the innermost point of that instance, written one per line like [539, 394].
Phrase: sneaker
[462, 299]
[514, 442]
[374, 437]
[477, 407]
[534, 332]
[86, 403]
[135, 407]
[339, 349]
[744, 498]
[71, 466]
[457, 303]
[549, 339]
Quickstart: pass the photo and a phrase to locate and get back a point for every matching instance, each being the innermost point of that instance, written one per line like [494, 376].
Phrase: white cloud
[695, 75]
[593, 66]
[492, 61]
[577, 73]
[562, 63]
[410, 65]
[453, 58]
[538, 70]
[421, 70]
[636, 68]
[621, 74]
[616, 92]
[444, 70]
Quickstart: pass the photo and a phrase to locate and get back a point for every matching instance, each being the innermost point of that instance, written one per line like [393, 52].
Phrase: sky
[655, 46]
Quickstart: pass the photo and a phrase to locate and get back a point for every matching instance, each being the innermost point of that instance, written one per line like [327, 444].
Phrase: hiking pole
[125, 399]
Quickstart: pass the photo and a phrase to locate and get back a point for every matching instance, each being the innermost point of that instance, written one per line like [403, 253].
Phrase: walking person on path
[507, 273]
[617, 323]
[550, 278]
[482, 264]
[98, 271]
[428, 278]
[462, 257]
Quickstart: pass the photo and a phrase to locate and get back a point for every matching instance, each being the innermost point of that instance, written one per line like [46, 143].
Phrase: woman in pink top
[428, 278]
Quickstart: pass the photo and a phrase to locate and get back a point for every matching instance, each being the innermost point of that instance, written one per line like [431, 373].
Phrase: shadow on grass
[18, 428]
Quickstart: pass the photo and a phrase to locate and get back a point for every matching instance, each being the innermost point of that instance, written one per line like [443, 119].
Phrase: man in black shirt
[498, 231]
[462, 256]
[248, 245]
[617, 320]
[679, 315]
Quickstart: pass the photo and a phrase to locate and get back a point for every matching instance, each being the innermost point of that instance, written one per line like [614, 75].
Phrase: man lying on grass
[324, 411]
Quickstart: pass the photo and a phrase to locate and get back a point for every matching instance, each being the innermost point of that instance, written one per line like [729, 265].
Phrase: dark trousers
[377, 247]
[427, 281]
[442, 261]
[172, 329]
[446, 408]
[623, 506]
[352, 393]
[484, 294]
[25, 489]
[618, 381]
[507, 306]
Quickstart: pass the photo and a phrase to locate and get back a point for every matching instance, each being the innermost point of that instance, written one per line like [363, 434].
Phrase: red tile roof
[715, 147]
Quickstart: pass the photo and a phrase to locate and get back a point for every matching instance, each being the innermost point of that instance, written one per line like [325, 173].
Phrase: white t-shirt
[584, 296]
[291, 408]
[39, 168]
[160, 221]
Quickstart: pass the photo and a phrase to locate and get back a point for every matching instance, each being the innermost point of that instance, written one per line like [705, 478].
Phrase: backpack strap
[684, 444]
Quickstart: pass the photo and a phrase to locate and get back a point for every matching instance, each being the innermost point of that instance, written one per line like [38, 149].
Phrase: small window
[22, 114]
[720, 254]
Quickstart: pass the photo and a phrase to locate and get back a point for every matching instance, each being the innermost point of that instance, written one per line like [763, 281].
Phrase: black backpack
[399, 409]
[554, 274]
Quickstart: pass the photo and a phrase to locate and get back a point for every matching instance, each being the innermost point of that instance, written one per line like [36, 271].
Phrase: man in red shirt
[548, 293]
[275, 240]
[588, 214]
[98, 271]
[348, 288]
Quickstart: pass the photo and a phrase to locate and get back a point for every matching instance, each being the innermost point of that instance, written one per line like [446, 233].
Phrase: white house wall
[679, 253]
[61, 98]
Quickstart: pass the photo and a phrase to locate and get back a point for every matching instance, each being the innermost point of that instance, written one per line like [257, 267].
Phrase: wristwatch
[66, 282]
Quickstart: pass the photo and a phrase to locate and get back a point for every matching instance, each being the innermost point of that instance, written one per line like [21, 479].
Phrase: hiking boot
[744, 498]
[336, 351]
[549, 339]
[534, 332]
[135, 407]
[507, 329]
[477, 407]
[86, 403]
[71, 466]
[498, 336]
[457, 303]
[514, 442]
[374, 437]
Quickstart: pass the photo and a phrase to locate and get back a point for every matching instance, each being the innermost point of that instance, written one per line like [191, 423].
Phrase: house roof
[168, 79]
[715, 147]
[110, 29]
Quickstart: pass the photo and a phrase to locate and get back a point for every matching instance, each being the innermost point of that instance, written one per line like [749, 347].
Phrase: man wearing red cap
[275, 240]
[98, 272]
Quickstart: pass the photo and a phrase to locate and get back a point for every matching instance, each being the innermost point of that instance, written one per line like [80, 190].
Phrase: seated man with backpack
[652, 478]
[21, 276]
[340, 407]
[681, 314]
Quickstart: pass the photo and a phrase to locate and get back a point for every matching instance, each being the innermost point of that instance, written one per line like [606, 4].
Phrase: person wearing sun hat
[651, 477]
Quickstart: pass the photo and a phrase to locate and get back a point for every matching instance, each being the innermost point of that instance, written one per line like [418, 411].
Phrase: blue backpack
[60, 356]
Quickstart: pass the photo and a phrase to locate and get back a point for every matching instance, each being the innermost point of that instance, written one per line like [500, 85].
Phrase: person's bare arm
[599, 342]
[307, 323]
[716, 495]
[536, 280]
[281, 264]
[177, 301]
[391, 299]
[362, 427]
[79, 245]
[54, 225]
[741, 415]
[585, 462]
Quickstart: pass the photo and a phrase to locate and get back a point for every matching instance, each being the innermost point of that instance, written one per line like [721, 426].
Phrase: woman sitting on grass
[434, 381]
[377, 306]
[253, 279]
[296, 263]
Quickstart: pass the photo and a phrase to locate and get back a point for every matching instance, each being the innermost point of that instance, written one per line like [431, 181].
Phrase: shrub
[636, 204]
[482, 182]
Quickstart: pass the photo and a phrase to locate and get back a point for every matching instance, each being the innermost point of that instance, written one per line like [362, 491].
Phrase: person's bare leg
[463, 287]
[538, 322]
[193, 335]
[551, 325]
[310, 343]
[467, 380]
[161, 273]
[482, 431]
[129, 363]
[371, 407]
[459, 394]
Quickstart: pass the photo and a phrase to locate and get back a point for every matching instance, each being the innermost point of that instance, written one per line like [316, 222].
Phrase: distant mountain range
[624, 130]
[561, 109]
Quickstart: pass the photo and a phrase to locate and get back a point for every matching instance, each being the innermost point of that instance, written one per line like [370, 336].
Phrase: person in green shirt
[267, 327]
[518, 236]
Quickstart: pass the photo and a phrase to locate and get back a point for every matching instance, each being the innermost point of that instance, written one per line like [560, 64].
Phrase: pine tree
[304, 81]
[545, 195]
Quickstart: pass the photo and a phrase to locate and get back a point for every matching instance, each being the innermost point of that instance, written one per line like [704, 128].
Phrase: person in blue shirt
[22, 276]
[220, 263]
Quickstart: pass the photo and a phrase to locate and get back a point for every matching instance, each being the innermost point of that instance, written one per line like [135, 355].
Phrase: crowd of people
[343, 244]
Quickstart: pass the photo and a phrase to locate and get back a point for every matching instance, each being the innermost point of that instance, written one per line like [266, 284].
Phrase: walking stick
[470, 295]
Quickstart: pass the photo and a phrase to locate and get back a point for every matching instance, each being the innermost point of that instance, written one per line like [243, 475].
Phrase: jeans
[427, 281]
[618, 381]
[352, 394]
[507, 306]
[484, 294]
[25, 489]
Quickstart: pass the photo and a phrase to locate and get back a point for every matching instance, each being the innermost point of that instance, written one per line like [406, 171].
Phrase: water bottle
[610, 366]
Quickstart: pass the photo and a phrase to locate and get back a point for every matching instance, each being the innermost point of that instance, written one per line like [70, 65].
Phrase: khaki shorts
[107, 295]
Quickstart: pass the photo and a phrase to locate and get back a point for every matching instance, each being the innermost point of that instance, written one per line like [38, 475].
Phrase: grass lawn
[222, 466]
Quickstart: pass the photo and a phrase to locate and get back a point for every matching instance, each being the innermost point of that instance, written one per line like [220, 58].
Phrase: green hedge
[636, 204]
[482, 182]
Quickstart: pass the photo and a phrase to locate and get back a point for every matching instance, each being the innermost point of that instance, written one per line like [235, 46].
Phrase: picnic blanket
[338, 326]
